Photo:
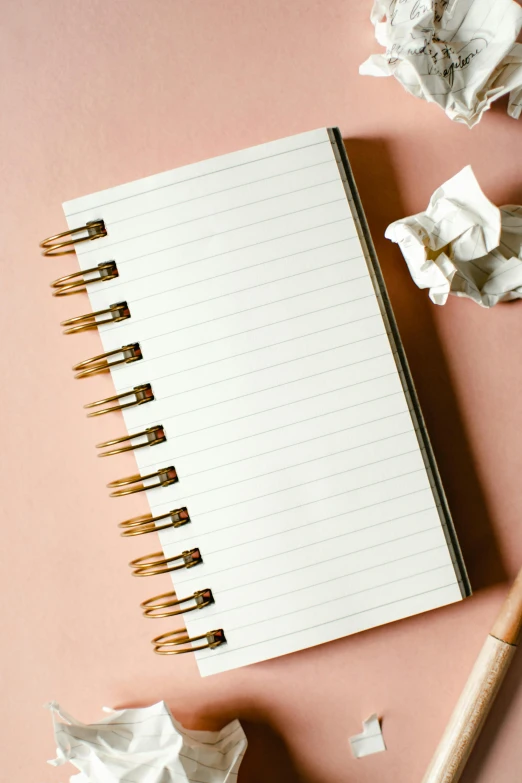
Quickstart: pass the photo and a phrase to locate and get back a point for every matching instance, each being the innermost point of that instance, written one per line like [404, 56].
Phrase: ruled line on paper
[308, 581]
[272, 291]
[215, 752]
[271, 366]
[309, 484]
[281, 385]
[230, 251]
[290, 424]
[264, 326]
[405, 584]
[287, 404]
[357, 530]
[158, 717]
[300, 443]
[330, 518]
[148, 359]
[345, 534]
[256, 307]
[264, 304]
[306, 462]
[345, 595]
[280, 553]
[224, 651]
[177, 457]
[281, 448]
[321, 501]
[239, 290]
[108, 245]
[199, 176]
[220, 192]
[288, 572]
[297, 486]
[218, 233]
[284, 364]
[343, 576]
[251, 266]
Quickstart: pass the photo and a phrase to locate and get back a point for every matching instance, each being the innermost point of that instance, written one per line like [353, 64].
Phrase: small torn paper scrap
[460, 54]
[146, 746]
[463, 244]
[370, 740]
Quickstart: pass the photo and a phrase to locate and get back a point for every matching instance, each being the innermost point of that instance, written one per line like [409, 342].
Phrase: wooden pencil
[479, 693]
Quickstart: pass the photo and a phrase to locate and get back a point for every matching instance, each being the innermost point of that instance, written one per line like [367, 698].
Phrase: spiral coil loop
[142, 394]
[82, 323]
[154, 607]
[139, 526]
[166, 643]
[97, 364]
[77, 282]
[175, 642]
[153, 435]
[157, 563]
[54, 246]
[165, 477]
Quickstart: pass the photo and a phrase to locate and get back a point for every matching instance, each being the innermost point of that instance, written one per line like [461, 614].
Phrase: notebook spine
[174, 642]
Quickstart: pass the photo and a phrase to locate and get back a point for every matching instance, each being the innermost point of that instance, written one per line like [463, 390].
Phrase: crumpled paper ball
[146, 745]
[459, 54]
[463, 244]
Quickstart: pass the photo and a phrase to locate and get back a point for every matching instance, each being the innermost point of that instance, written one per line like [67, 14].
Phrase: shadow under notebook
[376, 181]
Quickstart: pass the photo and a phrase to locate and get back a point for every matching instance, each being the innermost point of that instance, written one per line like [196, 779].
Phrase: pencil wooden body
[470, 712]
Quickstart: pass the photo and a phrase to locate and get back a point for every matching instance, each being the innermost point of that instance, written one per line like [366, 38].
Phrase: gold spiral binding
[164, 644]
[142, 394]
[81, 323]
[138, 526]
[165, 477]
[153, 435]
[154, 606]
[97, 364]
[76, 283]
[53, 246]
[157, 563]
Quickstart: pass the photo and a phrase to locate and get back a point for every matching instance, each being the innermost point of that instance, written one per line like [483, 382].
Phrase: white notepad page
[277, 386]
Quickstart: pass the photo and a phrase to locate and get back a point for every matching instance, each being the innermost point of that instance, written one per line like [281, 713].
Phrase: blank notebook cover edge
[404, 368]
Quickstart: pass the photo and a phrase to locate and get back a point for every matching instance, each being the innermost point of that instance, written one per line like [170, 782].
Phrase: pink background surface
[95, 94]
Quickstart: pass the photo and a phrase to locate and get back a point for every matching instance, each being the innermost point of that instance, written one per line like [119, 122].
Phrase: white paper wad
[463, 244]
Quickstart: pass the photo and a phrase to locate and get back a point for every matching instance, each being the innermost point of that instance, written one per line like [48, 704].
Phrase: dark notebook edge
[402, 362]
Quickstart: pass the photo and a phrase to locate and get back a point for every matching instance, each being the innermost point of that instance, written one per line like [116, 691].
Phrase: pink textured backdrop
[98, 93]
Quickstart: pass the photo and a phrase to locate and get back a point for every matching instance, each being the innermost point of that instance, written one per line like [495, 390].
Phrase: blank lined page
[278, 389]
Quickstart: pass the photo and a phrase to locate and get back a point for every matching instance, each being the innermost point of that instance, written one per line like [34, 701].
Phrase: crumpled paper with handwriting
[463, 244]
[460, 54]
[146, 746]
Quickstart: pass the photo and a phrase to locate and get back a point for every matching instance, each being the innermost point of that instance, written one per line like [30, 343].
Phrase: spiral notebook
[267, 399]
